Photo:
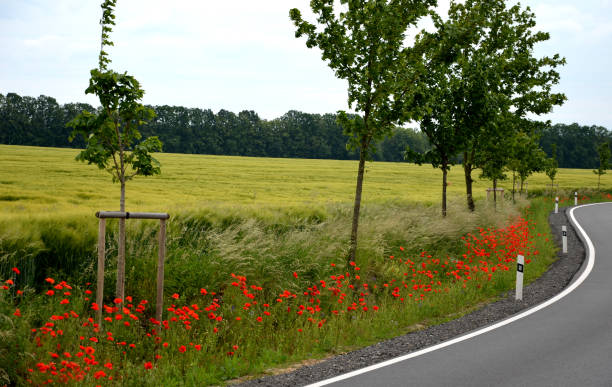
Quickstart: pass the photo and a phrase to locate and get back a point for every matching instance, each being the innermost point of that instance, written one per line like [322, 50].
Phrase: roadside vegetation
[416, 269]
[246, 294]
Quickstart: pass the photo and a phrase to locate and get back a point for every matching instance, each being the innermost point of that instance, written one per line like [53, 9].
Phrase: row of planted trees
[470, 84]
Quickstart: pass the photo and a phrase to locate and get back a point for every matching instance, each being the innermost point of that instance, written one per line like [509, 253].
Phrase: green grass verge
[206, 248]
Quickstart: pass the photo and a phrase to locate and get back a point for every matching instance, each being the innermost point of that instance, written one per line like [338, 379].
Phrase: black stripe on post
[519, 267]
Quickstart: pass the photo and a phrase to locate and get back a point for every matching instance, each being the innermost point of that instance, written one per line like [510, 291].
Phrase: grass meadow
[245, 233]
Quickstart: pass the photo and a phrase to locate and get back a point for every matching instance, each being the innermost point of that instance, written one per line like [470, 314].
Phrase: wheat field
[40, 182]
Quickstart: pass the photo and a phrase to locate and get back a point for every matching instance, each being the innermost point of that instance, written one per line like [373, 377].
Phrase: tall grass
[204, 247]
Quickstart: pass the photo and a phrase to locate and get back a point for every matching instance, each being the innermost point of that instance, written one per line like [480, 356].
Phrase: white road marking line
[565, 292]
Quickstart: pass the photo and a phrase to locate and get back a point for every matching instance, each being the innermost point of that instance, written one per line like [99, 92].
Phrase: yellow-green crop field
[38, 181]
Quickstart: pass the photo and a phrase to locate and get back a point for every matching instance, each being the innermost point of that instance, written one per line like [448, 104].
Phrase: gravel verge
[558, 276]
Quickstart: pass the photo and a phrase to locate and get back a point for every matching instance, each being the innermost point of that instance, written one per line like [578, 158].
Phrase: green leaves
[111, 134]
[107, 20]
[603, 151]
[363, 42]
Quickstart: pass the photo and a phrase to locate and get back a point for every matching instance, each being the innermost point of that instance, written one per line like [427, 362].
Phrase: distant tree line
[576, 146]
[42, 122]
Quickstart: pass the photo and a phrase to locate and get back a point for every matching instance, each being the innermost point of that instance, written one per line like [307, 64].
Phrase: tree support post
[122, 215]
[101, 255]
[159, 304]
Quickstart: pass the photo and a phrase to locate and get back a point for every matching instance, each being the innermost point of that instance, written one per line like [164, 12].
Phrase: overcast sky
[242, 54]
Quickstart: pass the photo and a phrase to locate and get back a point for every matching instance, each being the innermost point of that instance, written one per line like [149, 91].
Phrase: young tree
[603, 151]
[551, 167]
[492, 158]
[526, 157]
[362, 42]
[111, 134]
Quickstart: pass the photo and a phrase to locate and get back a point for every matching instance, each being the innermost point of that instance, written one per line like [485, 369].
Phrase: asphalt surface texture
[568, 343]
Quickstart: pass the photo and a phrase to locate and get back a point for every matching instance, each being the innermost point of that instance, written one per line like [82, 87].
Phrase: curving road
[566, 341]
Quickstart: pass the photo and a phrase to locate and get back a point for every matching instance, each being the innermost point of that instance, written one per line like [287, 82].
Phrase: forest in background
[42, 122]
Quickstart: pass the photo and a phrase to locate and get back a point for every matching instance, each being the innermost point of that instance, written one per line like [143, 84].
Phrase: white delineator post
[564, 238]
[557, 205]
[575, 198]
[520, 264]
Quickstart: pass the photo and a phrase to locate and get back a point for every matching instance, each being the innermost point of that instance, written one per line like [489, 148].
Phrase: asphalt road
[566, 343]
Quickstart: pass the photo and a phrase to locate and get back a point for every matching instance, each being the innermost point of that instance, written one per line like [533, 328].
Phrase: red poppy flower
[50, 292]
[295, 274]
[117, 300]
[64, 301]
[148, 365]
[99, 374]
[50, 280]
[10, 282]
[17, 313]
[16, 270]
[175, 296]
[182, 349]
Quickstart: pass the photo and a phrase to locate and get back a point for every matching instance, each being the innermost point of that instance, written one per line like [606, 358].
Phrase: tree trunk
[120, 288]
[444, 177]
[495, 193]
[467, 170]
[357, 207]
[522, 181]
[513, 185]
[598, 181]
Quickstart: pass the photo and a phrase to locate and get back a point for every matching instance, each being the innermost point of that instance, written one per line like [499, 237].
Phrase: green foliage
[603, 151]
[526, 155]
[111, 134]
[363, 44]
[478, 70]
[42, 121]
[575, 144]
[551, 168]
[281, 337]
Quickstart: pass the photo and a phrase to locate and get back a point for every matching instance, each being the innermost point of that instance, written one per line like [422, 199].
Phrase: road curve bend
[565, 341]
